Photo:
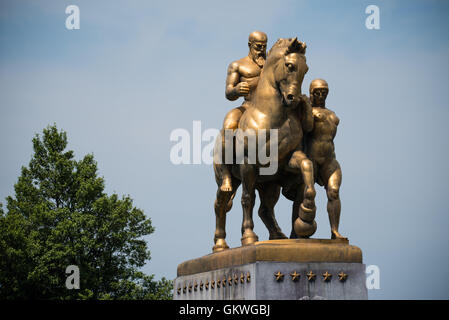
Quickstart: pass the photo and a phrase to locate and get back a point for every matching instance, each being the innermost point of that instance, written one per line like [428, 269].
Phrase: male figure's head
[257, 43]
[318, 92]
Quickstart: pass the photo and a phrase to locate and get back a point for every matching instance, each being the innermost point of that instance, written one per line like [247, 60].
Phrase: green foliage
[60, 216]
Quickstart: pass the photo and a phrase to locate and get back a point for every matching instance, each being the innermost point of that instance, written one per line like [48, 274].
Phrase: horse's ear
[296, 46]
[303, 48]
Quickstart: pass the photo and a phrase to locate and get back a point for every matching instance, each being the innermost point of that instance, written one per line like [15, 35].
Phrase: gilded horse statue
[278, 105]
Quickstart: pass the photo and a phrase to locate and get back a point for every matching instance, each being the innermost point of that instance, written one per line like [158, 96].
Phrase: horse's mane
[289, 45]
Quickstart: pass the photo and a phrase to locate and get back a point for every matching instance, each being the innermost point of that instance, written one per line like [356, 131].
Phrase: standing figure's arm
[234, 88]
[335, 119]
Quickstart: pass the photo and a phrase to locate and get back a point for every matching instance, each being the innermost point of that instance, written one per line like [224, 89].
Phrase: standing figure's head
[257, 43]
[318, 92]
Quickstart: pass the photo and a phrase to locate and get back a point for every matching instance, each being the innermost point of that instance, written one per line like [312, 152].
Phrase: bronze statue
[279, 141]
[275, 103]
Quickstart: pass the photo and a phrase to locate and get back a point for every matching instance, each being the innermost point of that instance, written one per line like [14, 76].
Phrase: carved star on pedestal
[311, 276]
[327, 276]
[295, 276]
[342, 276]
[279, 276]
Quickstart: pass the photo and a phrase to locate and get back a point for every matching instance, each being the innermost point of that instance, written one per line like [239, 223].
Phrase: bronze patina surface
[270, 84]
[288, 250]
[275, 103]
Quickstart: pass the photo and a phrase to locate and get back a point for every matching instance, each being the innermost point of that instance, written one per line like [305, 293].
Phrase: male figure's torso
[248, 71]
[320, 140]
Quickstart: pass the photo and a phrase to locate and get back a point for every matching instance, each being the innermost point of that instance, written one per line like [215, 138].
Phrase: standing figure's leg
[248, 175]
[269, 195]
[331, 174]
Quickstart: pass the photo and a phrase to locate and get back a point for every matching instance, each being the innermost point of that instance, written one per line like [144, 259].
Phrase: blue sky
[137, 70]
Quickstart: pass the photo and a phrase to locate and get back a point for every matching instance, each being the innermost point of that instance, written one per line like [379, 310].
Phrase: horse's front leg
[248, 174]
[299, 163]
[305, 224]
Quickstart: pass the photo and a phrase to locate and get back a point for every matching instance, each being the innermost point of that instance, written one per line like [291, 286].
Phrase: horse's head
[289, 67]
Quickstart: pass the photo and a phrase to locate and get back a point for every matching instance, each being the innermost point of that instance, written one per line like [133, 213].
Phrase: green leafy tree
[60, 216]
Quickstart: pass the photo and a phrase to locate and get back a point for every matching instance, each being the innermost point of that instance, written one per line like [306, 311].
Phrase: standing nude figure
[241, 81]
[320, 148]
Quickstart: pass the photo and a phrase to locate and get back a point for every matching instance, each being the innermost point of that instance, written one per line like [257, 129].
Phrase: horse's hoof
[220, 245]
[226, 188]
[307, 214]
[249, 238]
[310, 204]
[304, 229]
[277, 236]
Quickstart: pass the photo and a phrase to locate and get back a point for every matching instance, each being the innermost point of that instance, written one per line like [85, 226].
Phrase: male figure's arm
[234, 88]
[335, 119]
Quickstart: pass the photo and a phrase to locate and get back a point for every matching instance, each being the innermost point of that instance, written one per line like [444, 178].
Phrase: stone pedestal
[275, 270]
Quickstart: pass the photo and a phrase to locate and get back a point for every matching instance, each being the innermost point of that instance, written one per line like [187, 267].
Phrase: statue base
[288, 269]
